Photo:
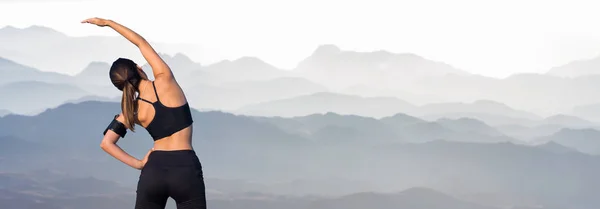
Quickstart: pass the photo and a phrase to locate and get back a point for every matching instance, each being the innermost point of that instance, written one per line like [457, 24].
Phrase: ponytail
[129, 106]
[125, 76]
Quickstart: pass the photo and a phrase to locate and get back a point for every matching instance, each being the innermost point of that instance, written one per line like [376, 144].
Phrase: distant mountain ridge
[31, 44]
[323, 102]
[377, 67]
[63, 191]
[31, 96]
[376, 107]
[577, 68]
[14, 72]
[584, 140]
[403, 74]
[4, 112]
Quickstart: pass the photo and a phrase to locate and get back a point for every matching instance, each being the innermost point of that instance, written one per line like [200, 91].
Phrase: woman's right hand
[97, 21]
[145, 160]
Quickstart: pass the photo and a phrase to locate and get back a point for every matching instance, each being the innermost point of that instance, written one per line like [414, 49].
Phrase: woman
[171, 168]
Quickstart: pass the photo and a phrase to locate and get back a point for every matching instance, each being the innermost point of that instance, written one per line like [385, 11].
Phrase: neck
[143, 85]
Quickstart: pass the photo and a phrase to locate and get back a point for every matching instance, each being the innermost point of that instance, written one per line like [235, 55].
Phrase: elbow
[104, 145]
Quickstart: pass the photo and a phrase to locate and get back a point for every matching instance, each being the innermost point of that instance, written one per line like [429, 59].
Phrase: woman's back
[164, 111]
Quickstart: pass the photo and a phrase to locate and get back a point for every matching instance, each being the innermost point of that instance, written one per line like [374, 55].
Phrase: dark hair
[125, 76]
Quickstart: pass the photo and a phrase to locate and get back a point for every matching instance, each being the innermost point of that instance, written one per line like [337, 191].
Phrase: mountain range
[328, 69]
[343, 129]
[50, 189]
[462, 157]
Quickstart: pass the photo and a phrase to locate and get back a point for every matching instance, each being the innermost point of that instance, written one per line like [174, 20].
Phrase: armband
[117, 127]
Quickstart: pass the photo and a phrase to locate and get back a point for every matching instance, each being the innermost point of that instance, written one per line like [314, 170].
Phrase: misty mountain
[215, 127]
[242, 69]
[17, 145]
[556, 148]
[492, 113]
[4, 112]
[366, 90]
[95, 73]
[329, 102]
[415, 198]
[16, 72]
[232, 84]
[353, 129]
[568, 121]
[254, 149]
[108, 195]
[252, 92]
[31, 96]
[577, 68]
[530, 130]
[584, 140]
[590, 111]
[528, 133]
[406, 76]
[61, 185]
[540, 94]
[213, 96]
[469, 125]
[233, 95]
[45, 48]
[94, 98]
[331, 128]
[450, 130]
[401, 119]
[277, 88]
[379, 67]
[179, 63]
[182, 67]
[479, 107]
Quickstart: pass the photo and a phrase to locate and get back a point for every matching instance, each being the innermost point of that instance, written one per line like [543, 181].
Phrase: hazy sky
[493, 38]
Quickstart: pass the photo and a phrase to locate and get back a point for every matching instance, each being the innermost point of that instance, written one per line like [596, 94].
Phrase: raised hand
[96, 21]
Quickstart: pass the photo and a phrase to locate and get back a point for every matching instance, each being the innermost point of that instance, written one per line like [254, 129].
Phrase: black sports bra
[167, 120]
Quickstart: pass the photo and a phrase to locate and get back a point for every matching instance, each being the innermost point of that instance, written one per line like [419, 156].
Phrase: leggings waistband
[164, 158]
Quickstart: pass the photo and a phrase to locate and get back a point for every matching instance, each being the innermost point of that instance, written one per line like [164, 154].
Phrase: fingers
[89, 20]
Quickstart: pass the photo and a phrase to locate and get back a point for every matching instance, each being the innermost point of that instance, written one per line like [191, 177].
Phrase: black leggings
[175, 174]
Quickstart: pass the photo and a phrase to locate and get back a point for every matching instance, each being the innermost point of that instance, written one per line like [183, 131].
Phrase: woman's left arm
[109, 145]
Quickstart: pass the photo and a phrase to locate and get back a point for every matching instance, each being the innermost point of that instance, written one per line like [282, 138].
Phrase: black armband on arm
[117, 127]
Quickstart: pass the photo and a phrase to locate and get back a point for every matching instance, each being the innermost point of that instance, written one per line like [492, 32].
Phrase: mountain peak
[248, 60]
[489, 102]
[182, 57]
[577, 68]
[95, 68]
[9, 28]
[326, 49]
[421, 191]
[245, 64]
[40, 28]
[33, 29]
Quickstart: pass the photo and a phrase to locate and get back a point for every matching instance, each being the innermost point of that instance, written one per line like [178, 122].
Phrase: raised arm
[159, 68]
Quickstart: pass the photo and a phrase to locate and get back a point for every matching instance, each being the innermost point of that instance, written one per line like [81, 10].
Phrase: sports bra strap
[155, 92]
[144, 100]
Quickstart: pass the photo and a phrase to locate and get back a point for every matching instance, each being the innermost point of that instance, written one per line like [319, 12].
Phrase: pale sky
[492, 38]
